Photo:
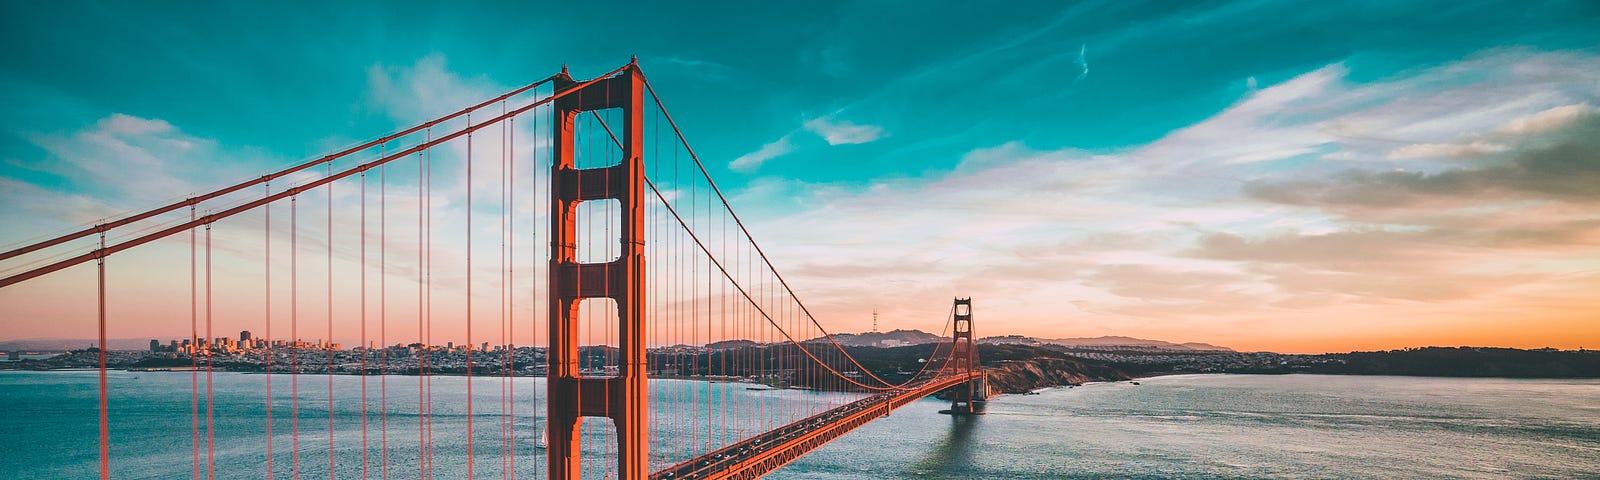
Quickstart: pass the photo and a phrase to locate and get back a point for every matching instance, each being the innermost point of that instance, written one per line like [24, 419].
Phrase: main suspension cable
[746, 231]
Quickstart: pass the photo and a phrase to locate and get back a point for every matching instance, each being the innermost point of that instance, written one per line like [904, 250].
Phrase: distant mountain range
[731, 344]
[64, 344]
[894, 338]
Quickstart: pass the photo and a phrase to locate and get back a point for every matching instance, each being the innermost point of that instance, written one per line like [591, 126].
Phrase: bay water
[1186, 426]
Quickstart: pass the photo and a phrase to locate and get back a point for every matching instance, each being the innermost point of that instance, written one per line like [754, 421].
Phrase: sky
[1285, 176]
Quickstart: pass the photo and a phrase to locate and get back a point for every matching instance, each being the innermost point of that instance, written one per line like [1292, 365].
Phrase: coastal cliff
[1026, 375]
[1011, 368]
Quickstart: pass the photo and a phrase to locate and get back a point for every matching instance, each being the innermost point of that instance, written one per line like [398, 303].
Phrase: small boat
[1135, 383]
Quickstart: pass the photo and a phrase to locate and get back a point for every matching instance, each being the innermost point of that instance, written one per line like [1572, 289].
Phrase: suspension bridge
[574, 236]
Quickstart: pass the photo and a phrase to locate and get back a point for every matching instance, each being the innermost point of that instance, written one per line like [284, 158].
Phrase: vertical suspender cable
[194, 352]
[505, 364]
[533, 324]
[267, 315]
[469, 298]
[383, 321]
[423, 352]
[294, 332]
[363, 346]
[427, 160]
[327, 348]
[105, 415]
[728, 363]
[211, 450]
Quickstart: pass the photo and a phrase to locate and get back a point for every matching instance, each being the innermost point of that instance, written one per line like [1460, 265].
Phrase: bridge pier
[970, 398]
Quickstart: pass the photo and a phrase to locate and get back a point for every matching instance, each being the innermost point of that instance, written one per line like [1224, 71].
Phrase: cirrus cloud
[843, 132]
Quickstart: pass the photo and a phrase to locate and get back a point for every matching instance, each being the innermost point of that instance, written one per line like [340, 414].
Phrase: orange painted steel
[572, 396]
[959, 373]
[761, 454]
[965, 355]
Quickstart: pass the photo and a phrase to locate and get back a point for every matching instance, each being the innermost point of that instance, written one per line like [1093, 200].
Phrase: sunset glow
[1242, 175]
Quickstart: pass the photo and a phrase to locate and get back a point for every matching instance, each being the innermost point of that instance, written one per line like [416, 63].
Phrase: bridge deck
[761, 454]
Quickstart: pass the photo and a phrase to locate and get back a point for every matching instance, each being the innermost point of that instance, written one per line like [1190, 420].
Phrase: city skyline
[1259, 175]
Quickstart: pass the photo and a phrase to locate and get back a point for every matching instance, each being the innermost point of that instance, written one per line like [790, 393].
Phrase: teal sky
[940, 80]
[1228, 129]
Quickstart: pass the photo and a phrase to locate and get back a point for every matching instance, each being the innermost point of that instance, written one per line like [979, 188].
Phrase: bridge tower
[572, 395]
[971, 398]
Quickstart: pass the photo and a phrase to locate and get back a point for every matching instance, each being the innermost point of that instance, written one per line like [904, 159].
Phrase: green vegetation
[1468, 362]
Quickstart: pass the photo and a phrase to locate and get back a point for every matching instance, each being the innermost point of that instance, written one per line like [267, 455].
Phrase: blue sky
[1111, 167]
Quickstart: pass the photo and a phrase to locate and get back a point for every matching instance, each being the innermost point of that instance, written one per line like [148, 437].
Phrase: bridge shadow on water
[952, 457]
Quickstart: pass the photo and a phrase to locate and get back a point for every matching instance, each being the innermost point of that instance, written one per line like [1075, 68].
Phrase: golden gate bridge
[615, 188]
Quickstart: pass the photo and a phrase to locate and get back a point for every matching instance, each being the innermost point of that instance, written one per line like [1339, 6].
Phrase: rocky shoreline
[1023, 376]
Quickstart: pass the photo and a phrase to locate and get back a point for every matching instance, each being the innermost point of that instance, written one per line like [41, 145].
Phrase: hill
[65, 344]
[894, 338]
[1425, 361]
[1106, 343]
[1012, 368]
[1468, 362]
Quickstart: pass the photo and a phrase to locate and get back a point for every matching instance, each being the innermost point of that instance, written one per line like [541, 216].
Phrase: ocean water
[1188, 426]
[1241, 426]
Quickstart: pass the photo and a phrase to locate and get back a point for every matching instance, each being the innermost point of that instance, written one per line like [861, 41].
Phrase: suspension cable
[740, 223]
[747, 295]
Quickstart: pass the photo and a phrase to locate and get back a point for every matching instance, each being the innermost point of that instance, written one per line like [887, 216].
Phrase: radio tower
[874, 320]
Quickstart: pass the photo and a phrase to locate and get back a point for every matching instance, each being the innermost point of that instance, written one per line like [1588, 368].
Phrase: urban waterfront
[1208, 426]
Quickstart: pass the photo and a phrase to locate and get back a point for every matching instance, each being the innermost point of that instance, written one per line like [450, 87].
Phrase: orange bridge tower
[971, 397]
[572, 395]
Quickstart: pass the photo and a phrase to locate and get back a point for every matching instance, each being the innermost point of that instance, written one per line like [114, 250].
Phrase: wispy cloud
[424, 90]
[128, 160]
[692, 67]
[1083, 63]
[842, 132]
[125, 163]
[1287, 205]
[1549, 155]
[752, 161]
[832, 131]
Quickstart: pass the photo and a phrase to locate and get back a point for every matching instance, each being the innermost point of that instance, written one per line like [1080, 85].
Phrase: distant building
[155, 345]
[244, 336]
